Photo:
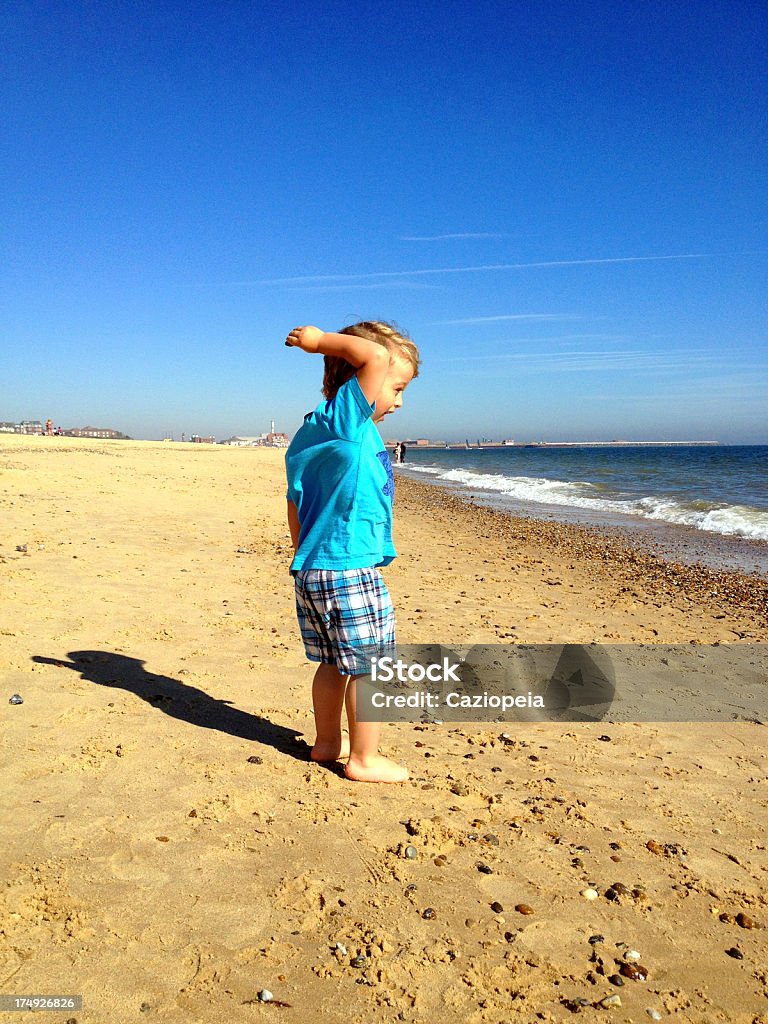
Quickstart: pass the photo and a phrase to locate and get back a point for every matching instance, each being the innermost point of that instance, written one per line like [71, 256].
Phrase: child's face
[390, 397]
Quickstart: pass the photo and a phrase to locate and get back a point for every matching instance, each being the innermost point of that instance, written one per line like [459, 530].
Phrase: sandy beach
[169, 851]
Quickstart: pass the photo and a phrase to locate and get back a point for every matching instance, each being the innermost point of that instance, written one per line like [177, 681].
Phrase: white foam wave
[729, 520]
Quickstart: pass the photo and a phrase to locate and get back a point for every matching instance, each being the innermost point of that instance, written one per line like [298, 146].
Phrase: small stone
[429, 914]
[745, 922]
[410, 853]
[589, 894]
[611, 894]
[617, 980]
[16, 699]
[265, 996]
[484, 869]
[341, 948]
[735, 952]
[491, 839]
[255, 759]
[604, 739]
[497, 908]
[145, 1008]
[610, 1001]
[358, 961]
[459, 789]
[594, 939]
[653, 1014]
[632, 955]
[440, 861]
[727, 918]
[412, 887]
[635, 972]
[523, 908]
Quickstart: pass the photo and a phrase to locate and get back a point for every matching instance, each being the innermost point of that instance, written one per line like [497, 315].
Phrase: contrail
[482, 268]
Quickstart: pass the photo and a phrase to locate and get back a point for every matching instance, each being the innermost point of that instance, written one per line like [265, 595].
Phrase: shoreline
[623, 558]
[675, 541]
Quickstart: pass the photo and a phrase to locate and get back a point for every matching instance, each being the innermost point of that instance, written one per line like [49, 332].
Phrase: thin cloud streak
[442, 238]
[511, 316]
[412, 285]
[615, 354]
[542, 264]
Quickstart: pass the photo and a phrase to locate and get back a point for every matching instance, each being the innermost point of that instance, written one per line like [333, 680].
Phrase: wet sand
[170, 851]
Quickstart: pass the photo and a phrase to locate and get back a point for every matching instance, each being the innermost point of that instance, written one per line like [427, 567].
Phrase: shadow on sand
[179, 700]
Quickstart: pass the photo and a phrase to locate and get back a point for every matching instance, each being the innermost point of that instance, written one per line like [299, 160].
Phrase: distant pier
[474, 445]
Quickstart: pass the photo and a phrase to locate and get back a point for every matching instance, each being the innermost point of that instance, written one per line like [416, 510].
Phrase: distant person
[340, 491]
[401, 454]
[49, 428]
[396, 452]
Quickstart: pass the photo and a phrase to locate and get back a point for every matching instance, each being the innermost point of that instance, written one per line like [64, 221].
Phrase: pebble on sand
[523, 908]
[635, 972]
[745, 922]
[589, 894]
[610, 1001]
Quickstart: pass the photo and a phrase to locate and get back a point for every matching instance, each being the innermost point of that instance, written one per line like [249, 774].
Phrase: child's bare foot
[375, 769]
[336, 751]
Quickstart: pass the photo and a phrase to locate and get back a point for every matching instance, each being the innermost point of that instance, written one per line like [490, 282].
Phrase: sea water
[708, 503]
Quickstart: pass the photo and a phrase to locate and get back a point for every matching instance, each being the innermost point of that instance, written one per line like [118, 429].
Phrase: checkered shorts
[345, 616]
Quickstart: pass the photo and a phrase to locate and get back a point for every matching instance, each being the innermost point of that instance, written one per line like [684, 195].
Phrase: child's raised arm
[372, 360]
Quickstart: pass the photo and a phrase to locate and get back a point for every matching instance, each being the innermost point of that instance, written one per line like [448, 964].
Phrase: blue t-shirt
[340, 480]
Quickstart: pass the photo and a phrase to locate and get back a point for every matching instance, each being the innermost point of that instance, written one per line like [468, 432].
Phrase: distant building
[277, 440]
[30, 427]
[272, 439]
[105, 432]
[197, 439]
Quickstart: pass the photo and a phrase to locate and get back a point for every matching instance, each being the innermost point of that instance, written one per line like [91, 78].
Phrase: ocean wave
[729, 520]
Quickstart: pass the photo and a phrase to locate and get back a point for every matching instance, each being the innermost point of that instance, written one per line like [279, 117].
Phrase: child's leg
[328, 689]
[365, 763]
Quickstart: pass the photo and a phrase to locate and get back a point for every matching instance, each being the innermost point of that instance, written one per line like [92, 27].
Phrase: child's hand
[305, 338]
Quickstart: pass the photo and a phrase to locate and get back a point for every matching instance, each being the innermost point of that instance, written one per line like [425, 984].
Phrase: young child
[340, 491]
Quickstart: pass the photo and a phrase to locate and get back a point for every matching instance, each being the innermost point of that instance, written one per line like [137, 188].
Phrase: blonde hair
[338, 371]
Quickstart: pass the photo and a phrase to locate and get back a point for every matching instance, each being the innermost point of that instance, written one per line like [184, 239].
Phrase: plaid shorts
[345, 616]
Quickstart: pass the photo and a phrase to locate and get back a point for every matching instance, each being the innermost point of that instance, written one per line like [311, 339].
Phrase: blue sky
[564, 204]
